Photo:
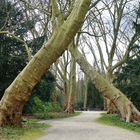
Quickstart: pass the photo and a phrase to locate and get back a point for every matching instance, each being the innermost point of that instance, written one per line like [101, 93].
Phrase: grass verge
[114, 120]
[30, 130]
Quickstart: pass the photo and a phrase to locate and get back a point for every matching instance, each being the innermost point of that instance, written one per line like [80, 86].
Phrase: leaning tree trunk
[126, 108]
[18, 93]
[111, 108]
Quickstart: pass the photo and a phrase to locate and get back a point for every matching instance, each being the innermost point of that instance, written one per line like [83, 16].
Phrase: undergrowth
[54, 115]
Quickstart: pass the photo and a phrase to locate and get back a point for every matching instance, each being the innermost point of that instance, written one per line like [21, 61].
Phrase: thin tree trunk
[126, 108]
[66, 94]
[85, 93]
[70, 106]
[18, 93]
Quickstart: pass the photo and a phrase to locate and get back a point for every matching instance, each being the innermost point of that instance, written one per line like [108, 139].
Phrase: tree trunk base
[13, 119]
[13, 115]
[69, 109]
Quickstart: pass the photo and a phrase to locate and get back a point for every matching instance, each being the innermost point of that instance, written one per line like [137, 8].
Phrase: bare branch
[20, 40]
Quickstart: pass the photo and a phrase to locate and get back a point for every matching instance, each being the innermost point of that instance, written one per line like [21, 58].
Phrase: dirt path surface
[84, 127]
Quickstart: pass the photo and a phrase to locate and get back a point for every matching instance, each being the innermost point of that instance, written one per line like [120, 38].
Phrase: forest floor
[85, 127]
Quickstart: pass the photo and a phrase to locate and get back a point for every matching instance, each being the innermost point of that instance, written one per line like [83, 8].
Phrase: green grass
[30, 130]
[55, 115]
[114, 120]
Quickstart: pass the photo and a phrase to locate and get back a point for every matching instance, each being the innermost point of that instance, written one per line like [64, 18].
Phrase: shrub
[40, 106]
[53, 107]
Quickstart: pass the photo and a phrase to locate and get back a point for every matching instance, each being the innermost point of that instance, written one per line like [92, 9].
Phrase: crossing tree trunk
[18, 93]
[126, 108]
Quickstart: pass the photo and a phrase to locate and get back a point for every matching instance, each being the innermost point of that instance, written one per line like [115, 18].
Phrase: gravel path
[84, 127]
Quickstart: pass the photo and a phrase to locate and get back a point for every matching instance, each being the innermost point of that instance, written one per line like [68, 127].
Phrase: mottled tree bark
[18, 93]
[126, 108]
[111, 108]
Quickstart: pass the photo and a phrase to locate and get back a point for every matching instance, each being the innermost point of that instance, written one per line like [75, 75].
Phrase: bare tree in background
[126, 108]
[110, 36]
